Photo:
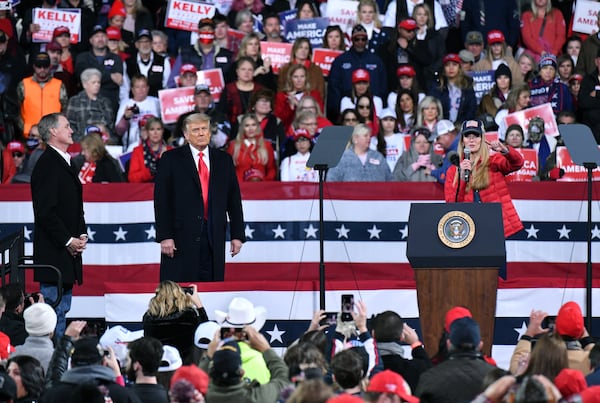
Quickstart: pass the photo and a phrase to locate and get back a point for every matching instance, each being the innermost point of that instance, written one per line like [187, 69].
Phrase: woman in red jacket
[253, 157]
[144, 159]
[543, 29]
[486, 182]
[288, 98]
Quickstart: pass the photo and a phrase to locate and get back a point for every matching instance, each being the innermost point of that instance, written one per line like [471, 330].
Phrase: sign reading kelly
[50, 18]
[185, 14]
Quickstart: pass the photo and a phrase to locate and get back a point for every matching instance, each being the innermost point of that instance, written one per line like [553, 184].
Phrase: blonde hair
[289, 85]
[94, 144]
[169, 298]
[480, 176]
[261, 150]
[244, 45]
[535, 10]
[427, 10]
[426, 102]
[369, 3]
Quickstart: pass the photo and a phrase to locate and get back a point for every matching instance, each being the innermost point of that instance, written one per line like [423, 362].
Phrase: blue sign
[312, 28]
[483, 81]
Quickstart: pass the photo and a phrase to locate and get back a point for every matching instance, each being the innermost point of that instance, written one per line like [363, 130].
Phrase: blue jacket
[340, 76]
[440, 173]
[468, 103]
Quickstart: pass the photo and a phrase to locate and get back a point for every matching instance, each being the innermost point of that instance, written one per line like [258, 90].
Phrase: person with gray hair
[60, 231]
[89, 106]
[359, 163]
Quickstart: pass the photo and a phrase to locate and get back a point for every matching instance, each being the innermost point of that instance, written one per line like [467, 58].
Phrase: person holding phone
[173, 316]
[480, 177]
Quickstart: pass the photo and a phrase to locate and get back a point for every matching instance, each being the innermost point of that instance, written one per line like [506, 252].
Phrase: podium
[455, 250]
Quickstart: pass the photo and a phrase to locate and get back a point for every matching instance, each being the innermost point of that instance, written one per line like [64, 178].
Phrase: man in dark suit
[191, 219]
[60, 233]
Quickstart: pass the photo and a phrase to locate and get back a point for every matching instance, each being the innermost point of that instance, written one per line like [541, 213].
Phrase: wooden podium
[456, 250]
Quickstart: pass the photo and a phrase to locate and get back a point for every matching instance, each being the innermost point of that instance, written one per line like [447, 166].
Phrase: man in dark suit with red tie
[60, 233]
[195, 190]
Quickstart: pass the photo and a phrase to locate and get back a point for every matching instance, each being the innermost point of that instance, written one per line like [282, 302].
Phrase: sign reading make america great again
[185, 14]
[311, 28]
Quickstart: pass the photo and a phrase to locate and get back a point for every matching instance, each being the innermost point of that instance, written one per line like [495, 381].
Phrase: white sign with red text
[324, 58]
[585, 16]
[279, 53]
[185, 14]
[50, 18]
[342, 13]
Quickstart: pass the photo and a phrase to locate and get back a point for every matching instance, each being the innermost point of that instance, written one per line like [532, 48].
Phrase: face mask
[206, 38]
[33, 143]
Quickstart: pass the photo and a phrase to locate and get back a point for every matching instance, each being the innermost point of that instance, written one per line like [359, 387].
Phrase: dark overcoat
[178, 210]
[58, 211]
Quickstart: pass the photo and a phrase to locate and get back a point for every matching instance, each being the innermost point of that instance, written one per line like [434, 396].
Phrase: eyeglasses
[350, 120]
[359, 39]
[363, 106]
[17, 155]
[471, 136]
[309, 123]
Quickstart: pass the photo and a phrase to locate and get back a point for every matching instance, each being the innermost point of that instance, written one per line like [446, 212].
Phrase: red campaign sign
[214, 79]
[573, 172]
[523, 117]
[529, 169]
[175, 102]
[279, 53]
[324, 57]
[489, 137]
[185, 14]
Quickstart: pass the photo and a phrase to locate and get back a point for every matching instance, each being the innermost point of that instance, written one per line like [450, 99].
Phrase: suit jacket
[179, 212]
[58, 210]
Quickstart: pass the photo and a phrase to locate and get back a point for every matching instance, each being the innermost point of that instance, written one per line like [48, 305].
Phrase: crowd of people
[405, 67]
[181, 356]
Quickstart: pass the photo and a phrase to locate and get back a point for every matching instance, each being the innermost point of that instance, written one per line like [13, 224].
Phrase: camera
[188, 290]
[233, 332]
[135, 109]
[35, 296]
[347, 307]
[549, 322]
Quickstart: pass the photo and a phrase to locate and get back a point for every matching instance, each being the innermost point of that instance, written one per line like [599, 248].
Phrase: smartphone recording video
[330, 319]
[347, 307]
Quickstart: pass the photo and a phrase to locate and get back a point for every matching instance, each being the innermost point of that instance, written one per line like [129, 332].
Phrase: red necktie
[204, 179]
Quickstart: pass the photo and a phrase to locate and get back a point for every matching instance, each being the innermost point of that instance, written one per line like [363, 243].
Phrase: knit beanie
[40, 319]
[503, 70]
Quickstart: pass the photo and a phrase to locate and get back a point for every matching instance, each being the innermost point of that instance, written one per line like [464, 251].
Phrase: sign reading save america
[185, 14]
[175, 102]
